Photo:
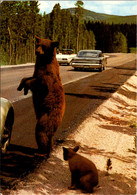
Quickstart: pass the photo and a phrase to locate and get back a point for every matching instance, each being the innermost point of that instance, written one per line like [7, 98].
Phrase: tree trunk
[78, 37]
[10, 45]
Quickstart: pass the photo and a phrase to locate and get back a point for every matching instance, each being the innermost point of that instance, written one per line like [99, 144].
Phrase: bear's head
[45, 47]
[69, 152]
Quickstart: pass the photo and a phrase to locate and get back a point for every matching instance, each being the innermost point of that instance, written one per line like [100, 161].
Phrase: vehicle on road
[6, 120]
[65, 56]
[89, 59]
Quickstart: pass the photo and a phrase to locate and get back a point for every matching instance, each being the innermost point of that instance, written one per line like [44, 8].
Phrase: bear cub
[47, 93]
[84, 174]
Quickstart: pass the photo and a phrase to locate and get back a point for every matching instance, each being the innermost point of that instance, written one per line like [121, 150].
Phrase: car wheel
[7, 131]
[100, 69]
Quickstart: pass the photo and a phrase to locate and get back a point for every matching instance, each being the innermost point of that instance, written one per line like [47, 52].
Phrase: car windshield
[90, 54]
[65, 51]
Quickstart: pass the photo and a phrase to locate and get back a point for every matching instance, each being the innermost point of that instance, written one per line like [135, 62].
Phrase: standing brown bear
[47, 92]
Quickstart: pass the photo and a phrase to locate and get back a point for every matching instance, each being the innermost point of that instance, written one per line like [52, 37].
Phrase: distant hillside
[93, 16]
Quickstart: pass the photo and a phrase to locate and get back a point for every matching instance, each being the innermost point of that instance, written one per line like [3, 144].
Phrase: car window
[88, 54]
[65, 51]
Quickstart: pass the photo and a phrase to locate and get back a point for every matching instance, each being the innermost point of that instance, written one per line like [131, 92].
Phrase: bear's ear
[65, 153]
[76, 148]
[55, 43]
[37, 38]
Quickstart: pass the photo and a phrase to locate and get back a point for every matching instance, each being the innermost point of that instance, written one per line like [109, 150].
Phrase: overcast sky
[122, 8]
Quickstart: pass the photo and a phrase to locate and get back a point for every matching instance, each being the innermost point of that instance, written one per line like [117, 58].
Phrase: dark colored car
[89, 59]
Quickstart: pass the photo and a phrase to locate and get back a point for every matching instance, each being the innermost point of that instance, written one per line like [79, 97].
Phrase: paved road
[82, 98]
[10, 77]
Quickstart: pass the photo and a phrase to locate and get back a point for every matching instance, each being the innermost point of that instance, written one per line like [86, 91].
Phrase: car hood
[5, 105]
[65, 55]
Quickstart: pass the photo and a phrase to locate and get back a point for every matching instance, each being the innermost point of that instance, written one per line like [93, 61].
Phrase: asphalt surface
[82, 98]
[11, 76]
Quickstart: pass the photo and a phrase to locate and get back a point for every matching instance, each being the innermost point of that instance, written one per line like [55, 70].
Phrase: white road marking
[17, 66]
[21, 97]
[30, 94]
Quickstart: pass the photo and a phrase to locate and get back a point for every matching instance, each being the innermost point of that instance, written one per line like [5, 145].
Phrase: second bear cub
[84, 173]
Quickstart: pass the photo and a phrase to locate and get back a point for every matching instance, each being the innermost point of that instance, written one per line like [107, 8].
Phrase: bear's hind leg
[86, 182]
[44, 133]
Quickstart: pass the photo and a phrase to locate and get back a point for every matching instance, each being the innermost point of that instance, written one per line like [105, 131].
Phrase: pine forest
[20, 21]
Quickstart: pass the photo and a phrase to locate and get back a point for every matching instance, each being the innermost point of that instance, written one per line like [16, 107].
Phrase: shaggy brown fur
[84, 173]
[47, 91]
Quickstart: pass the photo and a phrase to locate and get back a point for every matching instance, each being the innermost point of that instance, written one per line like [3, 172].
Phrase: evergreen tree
[119, 43]
[92, 41]
[21, 20]
[8, 15]
[18, 27]
[55, 22]
[79, 19]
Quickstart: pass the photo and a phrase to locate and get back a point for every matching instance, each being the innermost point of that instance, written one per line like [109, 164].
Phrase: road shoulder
[109, 132]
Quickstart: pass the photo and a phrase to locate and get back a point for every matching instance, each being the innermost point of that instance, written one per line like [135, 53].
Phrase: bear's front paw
[72, 187]
[25, 91]
[22, 84]
[20, 87]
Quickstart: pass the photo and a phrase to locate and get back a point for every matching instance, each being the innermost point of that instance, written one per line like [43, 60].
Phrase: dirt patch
[109, 133]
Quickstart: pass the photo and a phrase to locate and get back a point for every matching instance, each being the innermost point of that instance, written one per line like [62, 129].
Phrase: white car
[89, 59]
[6, 120]
[65, 56]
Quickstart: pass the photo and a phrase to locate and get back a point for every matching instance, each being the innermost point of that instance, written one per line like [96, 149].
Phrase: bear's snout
[39, 51]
